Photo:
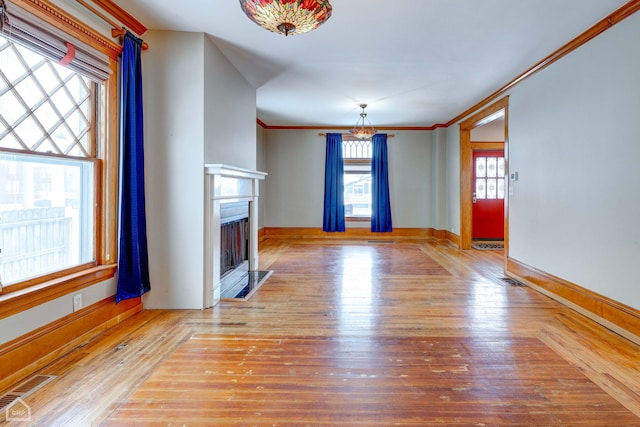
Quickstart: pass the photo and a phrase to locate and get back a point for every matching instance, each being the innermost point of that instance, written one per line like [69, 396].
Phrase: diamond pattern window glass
[44, 107]
[490, 172]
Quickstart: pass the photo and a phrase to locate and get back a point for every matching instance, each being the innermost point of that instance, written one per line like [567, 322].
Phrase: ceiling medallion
[287, 16]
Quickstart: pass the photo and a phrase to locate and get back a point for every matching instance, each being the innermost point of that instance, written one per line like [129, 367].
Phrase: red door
[488, 195]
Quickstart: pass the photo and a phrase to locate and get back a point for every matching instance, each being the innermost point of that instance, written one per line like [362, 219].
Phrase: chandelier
[287, 16]
[360, 131]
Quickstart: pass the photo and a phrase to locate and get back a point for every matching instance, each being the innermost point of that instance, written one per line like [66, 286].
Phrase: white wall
[229, 111]
[295, 185]
[573, 131]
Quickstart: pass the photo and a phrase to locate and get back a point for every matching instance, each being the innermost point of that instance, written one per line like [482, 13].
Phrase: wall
[229, 111]
[439, 179]
[295, 185]
[24, 322]
[573, 132]
[492, 131]
[198, 109]
[173, 75]
[452, 138]
[261, 165]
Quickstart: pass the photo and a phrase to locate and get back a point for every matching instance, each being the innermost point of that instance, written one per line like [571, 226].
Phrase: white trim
[224, 183]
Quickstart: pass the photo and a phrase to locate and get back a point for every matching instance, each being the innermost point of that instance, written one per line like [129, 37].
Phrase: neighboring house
[573, 215]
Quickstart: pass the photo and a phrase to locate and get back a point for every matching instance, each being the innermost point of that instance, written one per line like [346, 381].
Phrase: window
[489, 173]
[51, 130]
[46, 204]
[357, 178]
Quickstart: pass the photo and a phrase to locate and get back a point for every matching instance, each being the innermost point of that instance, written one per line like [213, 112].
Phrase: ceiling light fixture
[287, 16]
[363, 132]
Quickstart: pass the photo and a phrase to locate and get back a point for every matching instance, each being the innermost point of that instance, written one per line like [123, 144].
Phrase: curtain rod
[389, 135]
[116, 31]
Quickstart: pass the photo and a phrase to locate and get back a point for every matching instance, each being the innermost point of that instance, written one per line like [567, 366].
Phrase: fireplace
[231, 228]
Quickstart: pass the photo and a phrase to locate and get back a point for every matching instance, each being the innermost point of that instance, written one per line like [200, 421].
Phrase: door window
[489, 178]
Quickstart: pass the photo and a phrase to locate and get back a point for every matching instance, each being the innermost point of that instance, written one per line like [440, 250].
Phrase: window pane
[500, 167]
[46, 215]
[492, 188]
[492, 167]
[481, 167]
[481, 189]
[501, 188]
[357, 194]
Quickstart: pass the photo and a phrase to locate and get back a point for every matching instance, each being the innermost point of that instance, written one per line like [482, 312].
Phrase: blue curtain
[381, 207]
[133, 259]
[334, 185]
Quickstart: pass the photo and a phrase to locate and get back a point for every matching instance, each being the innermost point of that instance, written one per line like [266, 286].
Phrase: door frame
[466, 169]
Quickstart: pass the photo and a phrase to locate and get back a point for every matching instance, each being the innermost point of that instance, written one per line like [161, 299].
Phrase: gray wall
[229, 111]
[573, 139]
[574, 131]
[174, 146]
[295, 185]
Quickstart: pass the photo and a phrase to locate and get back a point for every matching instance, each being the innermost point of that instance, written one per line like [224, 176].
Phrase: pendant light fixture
[361, 131]
[287, 16]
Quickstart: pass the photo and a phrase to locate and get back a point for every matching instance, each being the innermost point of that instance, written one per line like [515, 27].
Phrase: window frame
[30, 293]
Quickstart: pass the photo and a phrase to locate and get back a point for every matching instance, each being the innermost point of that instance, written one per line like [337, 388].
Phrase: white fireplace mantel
[224, 183]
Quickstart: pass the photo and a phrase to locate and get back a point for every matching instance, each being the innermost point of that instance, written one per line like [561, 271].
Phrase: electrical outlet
[77, 302]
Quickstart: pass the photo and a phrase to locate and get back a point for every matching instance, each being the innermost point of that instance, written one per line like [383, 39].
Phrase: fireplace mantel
[224, 183]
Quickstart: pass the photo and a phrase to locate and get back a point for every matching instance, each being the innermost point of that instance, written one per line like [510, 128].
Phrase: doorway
[499, 109]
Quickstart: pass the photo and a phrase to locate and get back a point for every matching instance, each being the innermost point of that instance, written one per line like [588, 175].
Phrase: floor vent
[512, 282]
[24, 389]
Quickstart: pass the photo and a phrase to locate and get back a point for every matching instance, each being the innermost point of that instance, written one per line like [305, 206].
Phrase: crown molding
[124, 17]
[406, 128]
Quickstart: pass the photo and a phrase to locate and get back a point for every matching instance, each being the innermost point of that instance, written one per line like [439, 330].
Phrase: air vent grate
[512, 282]
[24, 389]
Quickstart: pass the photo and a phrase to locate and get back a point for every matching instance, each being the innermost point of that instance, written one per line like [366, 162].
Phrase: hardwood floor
[354, 333]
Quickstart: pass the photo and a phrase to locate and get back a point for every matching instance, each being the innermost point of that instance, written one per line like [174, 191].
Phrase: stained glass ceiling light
[360, 131]
[287, 16]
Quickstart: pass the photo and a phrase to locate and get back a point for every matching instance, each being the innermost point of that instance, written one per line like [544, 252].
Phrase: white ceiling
[416, 63]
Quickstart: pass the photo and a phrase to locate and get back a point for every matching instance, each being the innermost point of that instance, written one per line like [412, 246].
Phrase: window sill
[358, 219]
[13, 302]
